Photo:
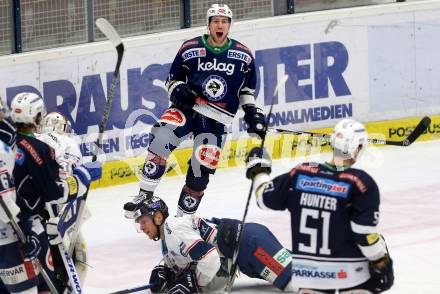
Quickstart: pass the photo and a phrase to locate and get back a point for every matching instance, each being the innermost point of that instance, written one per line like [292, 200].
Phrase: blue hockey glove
[382, 273]
[255, 120]
[258, 161]
[182, 96]
[88, 172]
[185, 283]
[32, 246]
[159, 278]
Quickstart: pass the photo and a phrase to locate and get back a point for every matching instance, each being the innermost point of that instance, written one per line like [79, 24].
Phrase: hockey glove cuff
[184, 284]
[52, 231]
[258, 161]
[255, 120]
[182, 96]
[382, 273]
[32, 246]
[159, 278]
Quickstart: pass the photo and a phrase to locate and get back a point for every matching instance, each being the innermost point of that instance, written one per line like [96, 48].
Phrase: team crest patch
[173, 116]
[193, 53]
[208, 155]
[214, 88]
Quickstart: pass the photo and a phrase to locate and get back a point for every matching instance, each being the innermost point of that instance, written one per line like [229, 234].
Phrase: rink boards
[278, 145]
[375, 63]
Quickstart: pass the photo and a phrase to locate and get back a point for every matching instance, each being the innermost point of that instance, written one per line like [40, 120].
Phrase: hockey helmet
[145, 206]
[347, 136]
[55, 122]
[218, 10]
[27, 108]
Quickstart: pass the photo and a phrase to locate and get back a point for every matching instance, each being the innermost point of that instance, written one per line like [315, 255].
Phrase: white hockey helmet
[347, 136]
[27, 108]
[219, 10]
[55, 122]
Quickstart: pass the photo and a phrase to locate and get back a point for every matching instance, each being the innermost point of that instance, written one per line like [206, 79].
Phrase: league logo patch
[193, 53]
[214, 88]
[173, 116]
[208, 155]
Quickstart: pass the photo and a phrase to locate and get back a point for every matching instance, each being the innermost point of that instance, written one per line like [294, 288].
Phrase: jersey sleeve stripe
[200, 250]
[361, 229]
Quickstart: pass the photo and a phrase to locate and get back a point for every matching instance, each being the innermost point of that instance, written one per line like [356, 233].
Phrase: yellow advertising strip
[278, 145]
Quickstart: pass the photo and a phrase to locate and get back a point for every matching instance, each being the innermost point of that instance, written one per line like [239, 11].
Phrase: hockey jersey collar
[335, 168]
[215, 50]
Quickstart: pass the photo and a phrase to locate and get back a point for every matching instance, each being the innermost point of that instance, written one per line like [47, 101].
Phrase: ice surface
[408, 178]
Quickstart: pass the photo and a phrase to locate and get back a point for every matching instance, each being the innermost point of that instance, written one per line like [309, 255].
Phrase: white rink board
[377, 63]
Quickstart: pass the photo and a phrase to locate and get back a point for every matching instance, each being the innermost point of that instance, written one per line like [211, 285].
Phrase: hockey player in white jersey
[56, 131]
[197, 252]
[17, 271]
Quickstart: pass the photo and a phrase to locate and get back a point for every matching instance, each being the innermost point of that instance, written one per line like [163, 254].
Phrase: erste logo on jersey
[193, 53]
[239, 55]
[221, 66]
[214, 88]
[322, 186]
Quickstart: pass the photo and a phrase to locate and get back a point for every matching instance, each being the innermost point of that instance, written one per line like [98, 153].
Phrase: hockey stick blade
[417, 132]
[132, 290]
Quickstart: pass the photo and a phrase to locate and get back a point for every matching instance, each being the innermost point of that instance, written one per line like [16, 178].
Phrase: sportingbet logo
[193, 53]
[322, 186]
[208, 66]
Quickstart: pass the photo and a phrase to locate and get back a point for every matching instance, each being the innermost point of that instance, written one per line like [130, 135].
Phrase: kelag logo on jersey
[193, 53]
[322, 186]
[220, 66]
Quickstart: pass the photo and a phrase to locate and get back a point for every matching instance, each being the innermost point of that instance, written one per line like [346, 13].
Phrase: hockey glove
[258, 161]
[254, 118]
[89, 172]
[159, 278]
[31, 246]
[182, 96]
[185, 283]
[52, 231]
[131, 208]
[382, 273]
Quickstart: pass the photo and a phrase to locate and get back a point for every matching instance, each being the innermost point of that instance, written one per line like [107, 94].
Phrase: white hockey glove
[258, 161]
[52, 231]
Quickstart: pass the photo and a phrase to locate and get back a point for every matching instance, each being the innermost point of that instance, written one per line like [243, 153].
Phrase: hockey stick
[109, 31]
[241, 226]
[69, 266]
[418, 130]
[22, 238]
[132, 290]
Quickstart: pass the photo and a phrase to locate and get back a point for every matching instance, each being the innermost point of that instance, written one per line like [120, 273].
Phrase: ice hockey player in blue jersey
[334, 216]
[197, 251]
[18, 273]
[37, 178]
[210, 78]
